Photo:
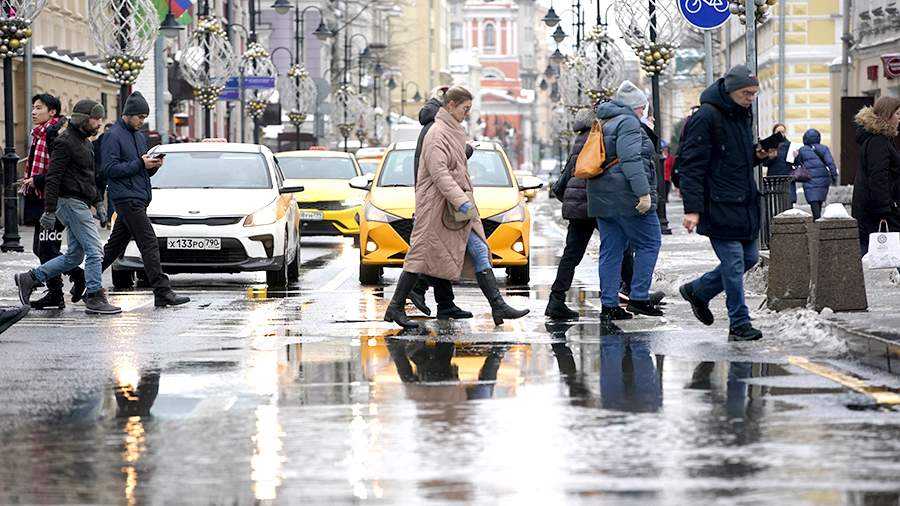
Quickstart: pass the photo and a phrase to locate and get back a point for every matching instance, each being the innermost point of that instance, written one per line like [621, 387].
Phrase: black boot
[610, 313]
[396, 311]
[76, 277]
[169, 298]
[52, 299]
[557, 309]
[417, 296]
[500, 310]
[10, 315]
[443, 295]
[644, 307]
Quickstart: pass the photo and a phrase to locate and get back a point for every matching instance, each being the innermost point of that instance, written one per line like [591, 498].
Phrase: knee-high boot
[395, 311]
[500, 310]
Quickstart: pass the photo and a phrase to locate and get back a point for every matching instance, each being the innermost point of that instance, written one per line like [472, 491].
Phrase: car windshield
[368, 166]
[297, 167]
[486, 169]
[208, 169]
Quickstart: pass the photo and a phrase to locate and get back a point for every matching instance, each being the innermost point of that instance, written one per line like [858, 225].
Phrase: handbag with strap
[803, 175]
[454, 219]
[884, 249]
[592, 160]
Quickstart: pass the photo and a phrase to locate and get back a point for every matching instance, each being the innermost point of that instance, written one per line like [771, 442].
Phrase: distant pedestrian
[441, 246]
[48, 120]
[779, 166]
[817, 159]
[876, 189]
[71, 192]
[128, 169]
[721, 199]
[623, 200]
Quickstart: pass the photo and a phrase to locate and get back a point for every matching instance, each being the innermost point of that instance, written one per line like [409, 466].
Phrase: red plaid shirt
[40, 158]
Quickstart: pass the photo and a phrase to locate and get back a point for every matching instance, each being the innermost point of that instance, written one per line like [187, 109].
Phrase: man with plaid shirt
[45, 113]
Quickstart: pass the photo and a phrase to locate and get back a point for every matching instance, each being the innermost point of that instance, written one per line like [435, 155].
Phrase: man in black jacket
[70, 195]
[721, 199]
[128, 169]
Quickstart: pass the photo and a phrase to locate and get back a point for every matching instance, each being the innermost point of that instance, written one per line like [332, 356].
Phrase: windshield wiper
[396, 186]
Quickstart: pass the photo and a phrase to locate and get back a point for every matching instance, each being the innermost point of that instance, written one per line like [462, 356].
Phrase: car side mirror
[291, 189]
[530, 183]
[361, 183]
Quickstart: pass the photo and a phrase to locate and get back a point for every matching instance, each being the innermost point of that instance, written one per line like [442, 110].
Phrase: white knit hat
[630, 95]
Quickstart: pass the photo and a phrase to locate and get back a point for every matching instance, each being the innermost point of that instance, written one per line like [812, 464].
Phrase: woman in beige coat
[440, 247]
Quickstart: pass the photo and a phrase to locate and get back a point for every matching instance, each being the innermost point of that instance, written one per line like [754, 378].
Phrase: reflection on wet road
[305, 397]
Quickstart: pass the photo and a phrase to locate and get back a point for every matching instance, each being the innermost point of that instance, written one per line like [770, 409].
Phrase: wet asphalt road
[305, 397]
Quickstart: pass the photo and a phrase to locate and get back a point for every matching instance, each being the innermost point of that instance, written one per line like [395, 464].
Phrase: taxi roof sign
[317, 148]
[215, 139]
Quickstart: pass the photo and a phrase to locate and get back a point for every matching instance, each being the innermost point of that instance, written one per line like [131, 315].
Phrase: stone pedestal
[789, 264]
[837, 273]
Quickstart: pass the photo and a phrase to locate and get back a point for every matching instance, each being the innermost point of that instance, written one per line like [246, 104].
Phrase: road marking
[338, 280]
[880, 395]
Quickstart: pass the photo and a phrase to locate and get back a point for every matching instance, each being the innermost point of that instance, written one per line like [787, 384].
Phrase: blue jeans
[83, 243]
[478, 251]
[644, 234]
[736, 257]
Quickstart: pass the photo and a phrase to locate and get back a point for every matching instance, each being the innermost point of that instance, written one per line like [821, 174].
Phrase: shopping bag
[884, 249]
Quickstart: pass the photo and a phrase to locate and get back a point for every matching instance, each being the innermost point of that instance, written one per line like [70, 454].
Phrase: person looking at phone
[128, 168]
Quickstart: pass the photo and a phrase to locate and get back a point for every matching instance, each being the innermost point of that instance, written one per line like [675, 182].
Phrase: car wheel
[369, 274]
[356, 242]
[279, 278]
[294, 267]
[123, 279]
[519, 274]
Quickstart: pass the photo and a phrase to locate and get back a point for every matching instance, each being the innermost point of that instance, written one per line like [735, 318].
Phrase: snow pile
[801, 328]
[756, 281]
[795, 213]
[835, 212]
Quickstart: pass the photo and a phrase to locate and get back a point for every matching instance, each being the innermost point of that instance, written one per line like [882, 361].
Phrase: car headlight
[375, 214]
[515, 214]
[353, 202]
[267, 215]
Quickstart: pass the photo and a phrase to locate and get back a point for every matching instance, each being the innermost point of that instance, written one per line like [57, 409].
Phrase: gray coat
[616, 192]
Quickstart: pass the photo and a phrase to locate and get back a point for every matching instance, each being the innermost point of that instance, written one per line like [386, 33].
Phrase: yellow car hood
[320, 190]
[401, 201]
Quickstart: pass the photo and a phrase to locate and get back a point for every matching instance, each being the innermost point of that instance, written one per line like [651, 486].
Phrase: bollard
[789, 261]
[837, 273]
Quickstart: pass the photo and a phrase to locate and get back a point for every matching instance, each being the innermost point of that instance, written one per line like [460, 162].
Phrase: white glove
[644, 204]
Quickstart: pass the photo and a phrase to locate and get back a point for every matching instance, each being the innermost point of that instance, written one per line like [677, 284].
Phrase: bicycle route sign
[705, 14]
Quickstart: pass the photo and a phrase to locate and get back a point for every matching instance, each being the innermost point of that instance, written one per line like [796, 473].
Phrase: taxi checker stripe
[880, 395]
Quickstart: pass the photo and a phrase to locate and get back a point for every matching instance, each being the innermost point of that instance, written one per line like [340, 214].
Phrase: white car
[220, 207]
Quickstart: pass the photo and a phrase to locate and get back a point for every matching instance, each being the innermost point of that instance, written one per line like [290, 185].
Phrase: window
[486, 169]
[317, 168]
[490, 38]
[456, 36]
[209, 169]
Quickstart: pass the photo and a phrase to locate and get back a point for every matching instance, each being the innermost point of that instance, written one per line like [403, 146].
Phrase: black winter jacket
[574, 195]
[716, 165]
[71, 171]
[122, 149]
[876, 189]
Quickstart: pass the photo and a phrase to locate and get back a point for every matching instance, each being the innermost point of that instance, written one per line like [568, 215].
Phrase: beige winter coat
[443, 177]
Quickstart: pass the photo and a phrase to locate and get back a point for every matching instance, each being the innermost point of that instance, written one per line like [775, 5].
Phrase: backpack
[592, 160]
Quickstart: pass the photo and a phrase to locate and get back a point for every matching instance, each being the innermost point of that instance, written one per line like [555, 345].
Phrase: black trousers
[133, 223]
[577, 239]
[816, 208]
[46, 246]
[443, 290]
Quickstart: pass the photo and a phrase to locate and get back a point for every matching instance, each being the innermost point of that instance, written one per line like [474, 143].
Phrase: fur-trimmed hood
[869, 124]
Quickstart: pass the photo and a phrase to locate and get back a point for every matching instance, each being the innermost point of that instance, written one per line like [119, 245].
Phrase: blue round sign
[705, 14]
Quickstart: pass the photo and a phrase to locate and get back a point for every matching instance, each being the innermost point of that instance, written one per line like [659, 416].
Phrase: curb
[879, 351]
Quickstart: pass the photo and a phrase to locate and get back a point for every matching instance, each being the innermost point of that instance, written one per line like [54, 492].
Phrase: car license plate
[210, 243]
[311, 216]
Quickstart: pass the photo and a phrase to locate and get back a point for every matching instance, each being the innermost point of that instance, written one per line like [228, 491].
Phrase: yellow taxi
[529, 194]
[328, 205]
[387, 219]
[369, 159]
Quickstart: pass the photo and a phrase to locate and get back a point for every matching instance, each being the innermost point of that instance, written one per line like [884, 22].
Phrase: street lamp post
[241, 103]
[653, 29]
[15, 19]
[415, 98]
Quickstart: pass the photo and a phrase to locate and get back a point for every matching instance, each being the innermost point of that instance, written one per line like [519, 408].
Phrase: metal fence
[776, 195]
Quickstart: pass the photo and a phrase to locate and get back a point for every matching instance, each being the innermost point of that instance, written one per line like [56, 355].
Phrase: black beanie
[740, 77]
[135, 105]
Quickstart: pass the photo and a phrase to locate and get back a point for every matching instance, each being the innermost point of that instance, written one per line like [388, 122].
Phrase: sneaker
[26, 283]
[96, 303]
[744, 332]
[169, 298]
[557, 310]
[615, 313]
[9, 316]
[656, 298]
[699, 307]
[644, 307]
[52, 299]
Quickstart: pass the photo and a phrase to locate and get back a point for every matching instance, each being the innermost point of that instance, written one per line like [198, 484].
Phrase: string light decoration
[124, 32]
[609, 63]
[653, 30]
[298, 94]
[16, 17]
[347, 107]
[256, 62]
[739, 9]
[208, 61]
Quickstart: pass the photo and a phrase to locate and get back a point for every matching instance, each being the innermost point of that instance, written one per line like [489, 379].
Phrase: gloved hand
[101, 211]
[48, 221]
[644, 204]
[465, 207]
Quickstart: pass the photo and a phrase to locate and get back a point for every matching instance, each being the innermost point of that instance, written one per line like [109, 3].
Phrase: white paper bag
[884, 249]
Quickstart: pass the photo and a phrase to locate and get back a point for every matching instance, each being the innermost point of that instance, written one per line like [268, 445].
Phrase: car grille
[232, 251]
[403, 229]
[325, 205]
[212, 222]
[318, 228]
[490, 226]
